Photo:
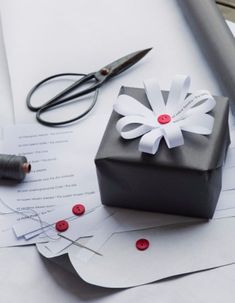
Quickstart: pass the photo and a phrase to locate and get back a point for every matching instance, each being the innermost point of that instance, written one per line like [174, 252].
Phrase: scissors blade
[120, 65]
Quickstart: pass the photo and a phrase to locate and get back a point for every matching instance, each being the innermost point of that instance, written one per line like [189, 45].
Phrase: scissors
[97, 78]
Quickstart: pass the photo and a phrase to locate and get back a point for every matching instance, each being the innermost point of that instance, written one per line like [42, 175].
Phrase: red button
[142, 244]
[78, 209]
[164, 119]
[62, 225]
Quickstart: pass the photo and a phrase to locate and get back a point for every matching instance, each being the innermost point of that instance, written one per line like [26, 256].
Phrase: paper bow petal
[154, 95]
[149, 143]
[178, 91]
[185, 112]
[199, 102]
[198, 124]
[127, 106]
[173, 135]
[136, 132]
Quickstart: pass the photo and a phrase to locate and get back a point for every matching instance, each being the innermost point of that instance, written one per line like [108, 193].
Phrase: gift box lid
[199, 152]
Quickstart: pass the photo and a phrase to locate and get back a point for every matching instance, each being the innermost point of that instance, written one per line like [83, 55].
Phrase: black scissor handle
[39, 84]
[69, 121]
[58, 99]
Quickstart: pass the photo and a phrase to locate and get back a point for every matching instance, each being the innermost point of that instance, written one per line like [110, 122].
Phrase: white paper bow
[180, 112]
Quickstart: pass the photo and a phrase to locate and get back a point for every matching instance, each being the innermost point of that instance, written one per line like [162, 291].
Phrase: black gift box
[185, 180]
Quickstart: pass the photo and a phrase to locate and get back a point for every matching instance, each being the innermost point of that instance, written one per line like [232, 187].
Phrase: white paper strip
[166, 119]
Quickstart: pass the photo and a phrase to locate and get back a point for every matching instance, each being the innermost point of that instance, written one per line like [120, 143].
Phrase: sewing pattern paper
[58, 178]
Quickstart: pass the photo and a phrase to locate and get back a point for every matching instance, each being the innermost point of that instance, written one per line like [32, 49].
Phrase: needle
[80, 245]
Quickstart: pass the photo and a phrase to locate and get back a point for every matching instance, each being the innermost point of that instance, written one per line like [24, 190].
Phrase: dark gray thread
[11, 167]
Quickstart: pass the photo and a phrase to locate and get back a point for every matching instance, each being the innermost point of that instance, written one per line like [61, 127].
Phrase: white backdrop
[46, 37]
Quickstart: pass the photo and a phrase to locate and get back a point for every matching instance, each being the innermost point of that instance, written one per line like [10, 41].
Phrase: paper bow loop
[181, 112]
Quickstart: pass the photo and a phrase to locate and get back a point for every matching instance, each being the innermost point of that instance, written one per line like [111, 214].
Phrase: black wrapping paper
[215, 40]
[185, 180]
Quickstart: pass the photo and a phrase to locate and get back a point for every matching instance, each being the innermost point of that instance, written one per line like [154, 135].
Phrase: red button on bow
[78, 209]
[62, 225]
[142, 244]
[164, 119]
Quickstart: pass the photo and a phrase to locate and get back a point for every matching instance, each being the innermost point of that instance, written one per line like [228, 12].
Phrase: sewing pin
[80, 245]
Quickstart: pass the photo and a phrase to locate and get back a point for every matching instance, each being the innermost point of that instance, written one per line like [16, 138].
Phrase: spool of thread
[14, 167]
